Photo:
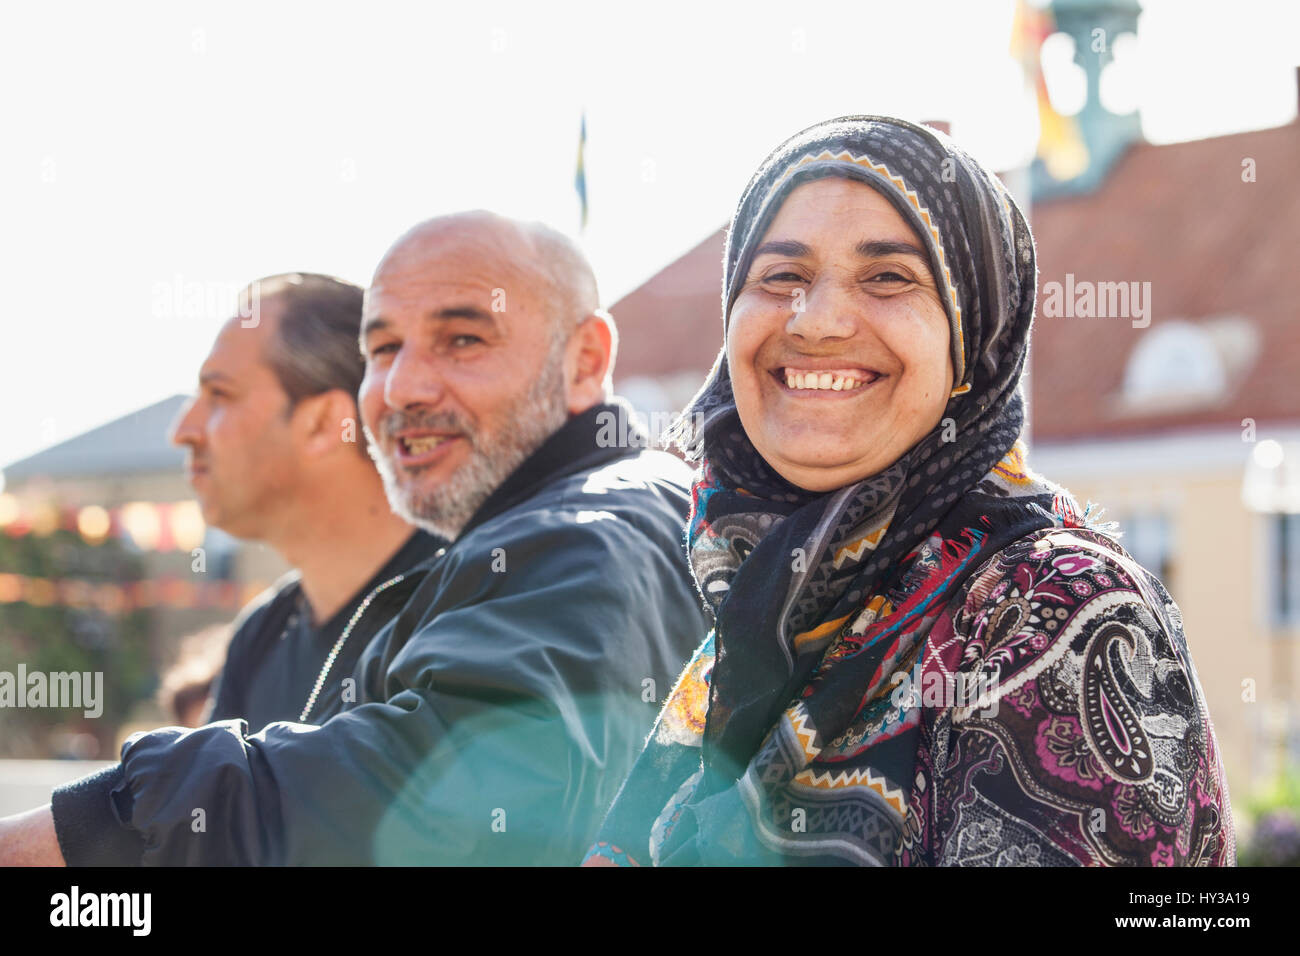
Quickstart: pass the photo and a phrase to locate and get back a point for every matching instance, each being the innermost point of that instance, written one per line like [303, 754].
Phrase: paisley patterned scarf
[787, 738]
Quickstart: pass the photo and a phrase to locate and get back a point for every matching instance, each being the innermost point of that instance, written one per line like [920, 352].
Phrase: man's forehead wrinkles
[465, 284]
[426, 302]
[426, 295]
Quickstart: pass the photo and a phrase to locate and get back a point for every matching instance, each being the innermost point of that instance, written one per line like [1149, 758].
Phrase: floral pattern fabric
[1096, 747]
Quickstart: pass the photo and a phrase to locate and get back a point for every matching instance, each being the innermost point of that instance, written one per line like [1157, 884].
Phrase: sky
[159, 155]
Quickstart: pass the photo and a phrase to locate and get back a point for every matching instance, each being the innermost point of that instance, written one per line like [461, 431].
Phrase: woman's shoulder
[1090, 727]
[1068, 549]
[1056, 602]
[1044, 579]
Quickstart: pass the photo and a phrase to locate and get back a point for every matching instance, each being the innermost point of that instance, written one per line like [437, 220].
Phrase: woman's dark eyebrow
[880, 249]
[871, 249]
[782, 247]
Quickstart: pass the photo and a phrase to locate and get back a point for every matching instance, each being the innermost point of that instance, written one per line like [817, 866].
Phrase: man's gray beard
[445, 509]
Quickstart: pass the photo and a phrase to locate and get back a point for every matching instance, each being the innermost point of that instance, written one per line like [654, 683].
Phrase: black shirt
[277, 654]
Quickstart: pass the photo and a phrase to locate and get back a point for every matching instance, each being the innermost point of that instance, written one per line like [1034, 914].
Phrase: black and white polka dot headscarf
[775, 616]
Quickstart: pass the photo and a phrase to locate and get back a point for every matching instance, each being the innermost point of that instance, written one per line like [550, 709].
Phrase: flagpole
[580, 176]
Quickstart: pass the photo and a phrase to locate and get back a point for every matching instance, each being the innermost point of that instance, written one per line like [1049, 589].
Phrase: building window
[1175, 363]
[1284, 561]
[1148, 536]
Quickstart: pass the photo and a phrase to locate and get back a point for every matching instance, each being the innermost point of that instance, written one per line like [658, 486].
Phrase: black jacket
[495, 718]
[276, 655]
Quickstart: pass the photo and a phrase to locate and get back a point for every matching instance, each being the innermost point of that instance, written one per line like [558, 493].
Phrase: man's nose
[185, 430]
[824, 310]
[413, 379]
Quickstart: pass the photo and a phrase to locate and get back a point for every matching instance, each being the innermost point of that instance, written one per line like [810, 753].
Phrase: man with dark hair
[274, 456]
[311, 347]
[498, 712]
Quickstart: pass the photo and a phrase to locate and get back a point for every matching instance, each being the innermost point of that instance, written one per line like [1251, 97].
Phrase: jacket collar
[578, 445]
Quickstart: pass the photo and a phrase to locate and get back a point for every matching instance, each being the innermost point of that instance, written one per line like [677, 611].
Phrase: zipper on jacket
[338, 645]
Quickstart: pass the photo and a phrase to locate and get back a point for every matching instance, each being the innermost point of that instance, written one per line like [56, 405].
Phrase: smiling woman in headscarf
[923, 653]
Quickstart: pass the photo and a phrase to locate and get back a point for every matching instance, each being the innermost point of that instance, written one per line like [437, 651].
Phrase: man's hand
[28, 839]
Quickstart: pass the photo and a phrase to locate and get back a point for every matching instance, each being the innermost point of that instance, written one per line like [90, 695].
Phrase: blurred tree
[50, 637]
[1275, 831]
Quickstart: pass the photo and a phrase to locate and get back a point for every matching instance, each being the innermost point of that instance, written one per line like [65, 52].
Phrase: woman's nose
[823, 310]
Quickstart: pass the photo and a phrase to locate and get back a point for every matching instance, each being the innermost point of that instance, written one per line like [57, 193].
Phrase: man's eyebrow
[472, 312]
[207, 378]
[886, 247]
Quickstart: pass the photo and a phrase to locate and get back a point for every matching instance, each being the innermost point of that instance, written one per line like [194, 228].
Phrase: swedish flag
[580, 177]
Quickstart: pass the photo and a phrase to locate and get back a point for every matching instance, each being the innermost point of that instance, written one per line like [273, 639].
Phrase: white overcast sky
[155, 150]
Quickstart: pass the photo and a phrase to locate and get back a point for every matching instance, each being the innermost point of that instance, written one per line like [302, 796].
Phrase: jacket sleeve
[1092, 744]
[495, 734]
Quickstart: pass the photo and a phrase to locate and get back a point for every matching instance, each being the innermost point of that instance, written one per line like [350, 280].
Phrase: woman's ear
[589, 362]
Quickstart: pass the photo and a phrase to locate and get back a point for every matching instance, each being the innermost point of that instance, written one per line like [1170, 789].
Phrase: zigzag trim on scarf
[956, 556]
[861, 777]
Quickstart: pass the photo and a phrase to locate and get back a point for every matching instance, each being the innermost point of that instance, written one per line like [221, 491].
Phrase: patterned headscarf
[820, 599]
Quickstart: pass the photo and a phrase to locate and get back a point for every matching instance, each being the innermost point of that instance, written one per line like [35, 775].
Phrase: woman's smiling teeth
[839, 380]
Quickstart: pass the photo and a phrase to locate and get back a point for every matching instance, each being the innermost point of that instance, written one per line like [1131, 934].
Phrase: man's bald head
[482, 337]
[544, 261]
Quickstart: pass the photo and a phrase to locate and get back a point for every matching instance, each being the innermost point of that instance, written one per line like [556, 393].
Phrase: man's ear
[323, 422]
[589, 362]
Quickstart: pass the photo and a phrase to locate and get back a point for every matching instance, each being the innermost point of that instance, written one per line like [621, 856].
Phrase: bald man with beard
[497, 713]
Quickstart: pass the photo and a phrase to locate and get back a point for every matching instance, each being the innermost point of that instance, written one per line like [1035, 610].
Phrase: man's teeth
[418, 446]
[833, 381]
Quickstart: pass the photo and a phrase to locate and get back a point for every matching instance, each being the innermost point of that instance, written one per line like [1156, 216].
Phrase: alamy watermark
[76, 690]
[186, 299]
[621, 427]
[75, 908]
[1102, 300]
[937, 691]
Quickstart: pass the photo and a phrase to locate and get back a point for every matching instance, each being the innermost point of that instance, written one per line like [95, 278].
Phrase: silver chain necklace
[338, 645]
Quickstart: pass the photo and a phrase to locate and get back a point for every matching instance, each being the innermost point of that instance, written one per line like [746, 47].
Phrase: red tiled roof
[1177, 216]
[672, 322]
[1181, 218]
